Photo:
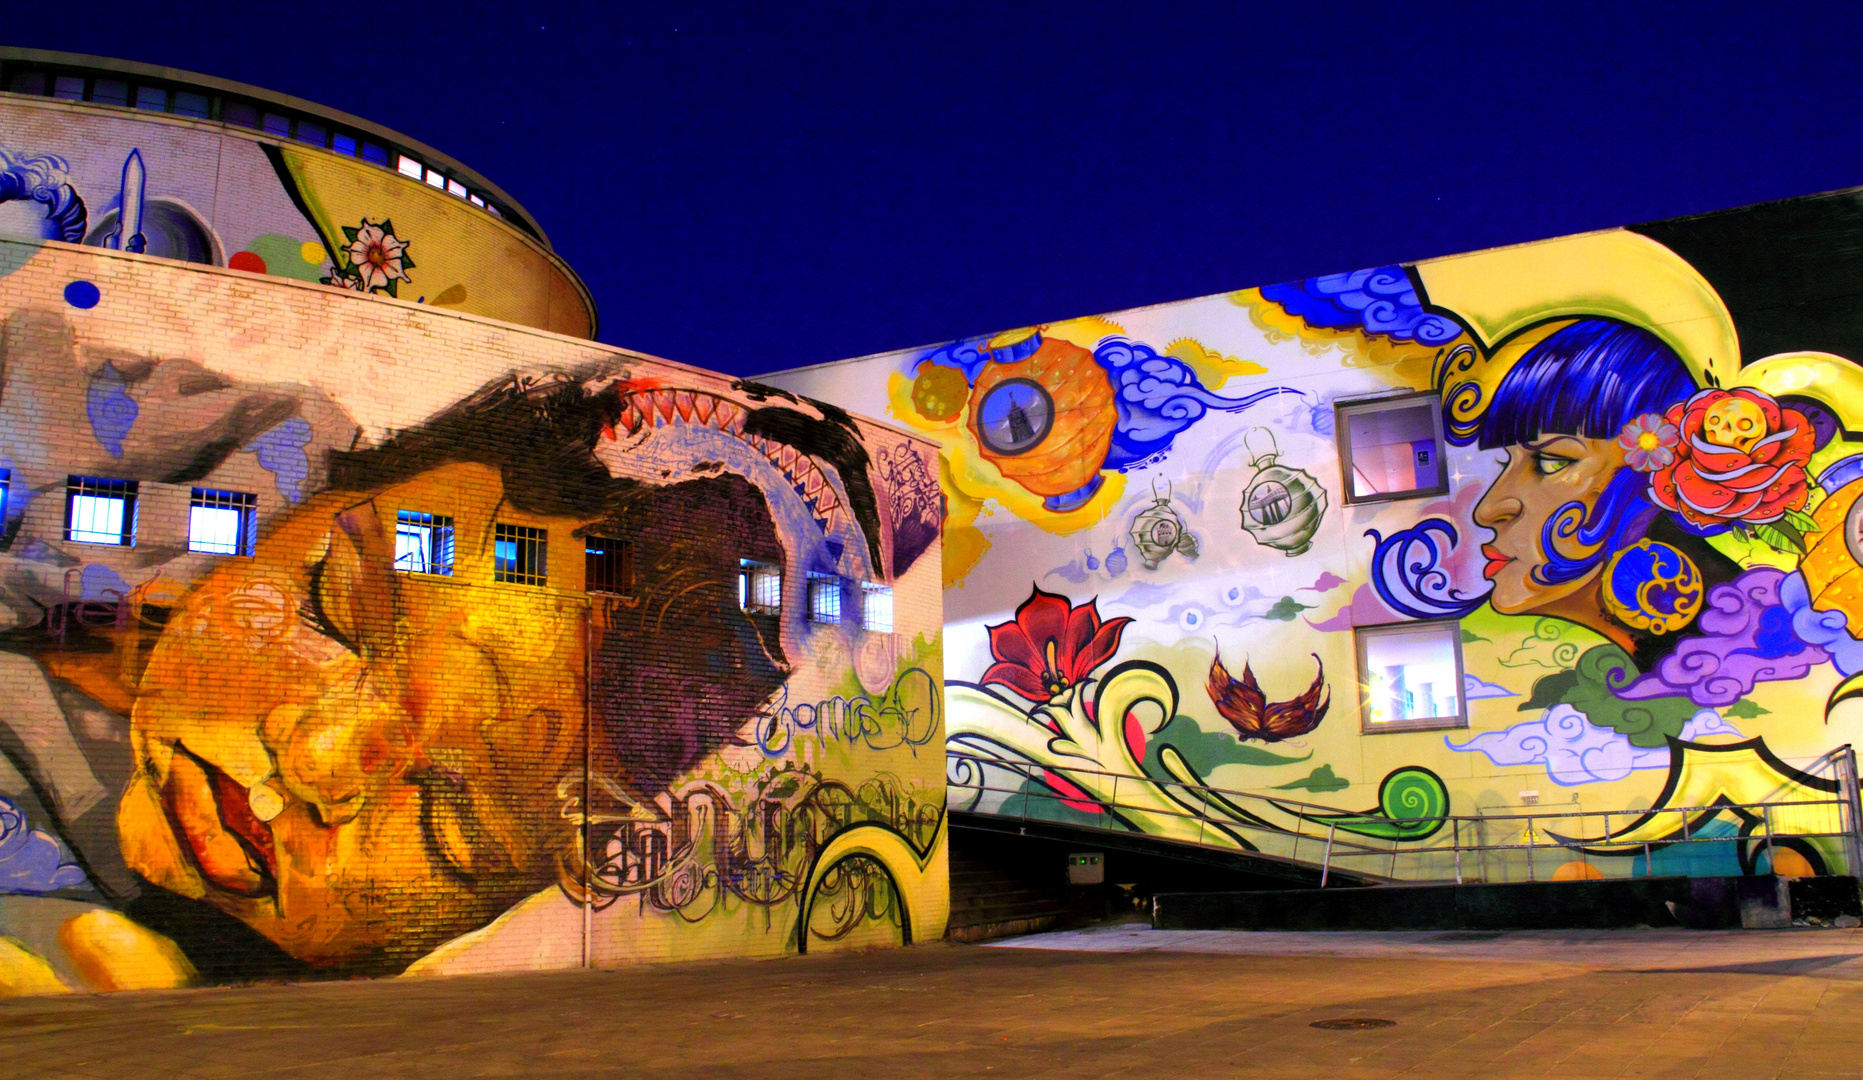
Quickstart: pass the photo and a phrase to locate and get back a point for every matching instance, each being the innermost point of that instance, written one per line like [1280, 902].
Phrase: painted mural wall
[392, 715]
[208, 193]
[1645, 535]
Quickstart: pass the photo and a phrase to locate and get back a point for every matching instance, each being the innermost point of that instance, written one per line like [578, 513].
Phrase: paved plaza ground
[1119, 1001]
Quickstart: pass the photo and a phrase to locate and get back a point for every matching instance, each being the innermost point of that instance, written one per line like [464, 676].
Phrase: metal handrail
[1845, 803]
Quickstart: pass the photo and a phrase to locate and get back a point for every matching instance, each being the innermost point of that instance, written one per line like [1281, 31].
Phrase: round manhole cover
[1352, 1023]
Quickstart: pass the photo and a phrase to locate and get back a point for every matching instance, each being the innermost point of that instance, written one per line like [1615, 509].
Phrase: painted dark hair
[1590, 379]
[1587, 379]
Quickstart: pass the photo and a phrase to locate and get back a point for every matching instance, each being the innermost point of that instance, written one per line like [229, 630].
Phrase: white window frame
[1342, 433]
[1363, 635]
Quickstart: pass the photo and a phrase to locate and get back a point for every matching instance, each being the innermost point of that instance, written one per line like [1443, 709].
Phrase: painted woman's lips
[213, 819]
[1496, 561]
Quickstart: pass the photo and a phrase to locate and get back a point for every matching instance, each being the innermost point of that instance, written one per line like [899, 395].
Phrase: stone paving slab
[1122, 1001]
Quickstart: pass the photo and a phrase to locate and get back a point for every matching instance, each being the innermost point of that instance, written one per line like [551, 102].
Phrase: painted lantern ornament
[1158, 530]
[1281, 507]
[1044, 414]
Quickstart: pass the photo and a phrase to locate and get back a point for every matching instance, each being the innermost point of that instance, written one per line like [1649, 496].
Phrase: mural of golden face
[317, 751]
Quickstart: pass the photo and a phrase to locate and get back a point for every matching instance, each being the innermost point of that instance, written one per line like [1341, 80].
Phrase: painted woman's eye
[1548, 464]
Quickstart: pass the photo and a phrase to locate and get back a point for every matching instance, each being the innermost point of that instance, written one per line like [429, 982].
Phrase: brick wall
[394, 728]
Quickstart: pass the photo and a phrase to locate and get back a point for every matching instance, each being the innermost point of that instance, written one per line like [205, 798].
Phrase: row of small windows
[316, 131]
[760, 591]
[100, 510]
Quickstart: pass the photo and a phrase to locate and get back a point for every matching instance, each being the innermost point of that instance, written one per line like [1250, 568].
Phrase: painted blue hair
[1588, 379]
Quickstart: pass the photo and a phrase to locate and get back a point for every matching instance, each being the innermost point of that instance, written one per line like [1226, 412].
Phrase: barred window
[876, 607]
[759, 586]
[824, 599]
[6, 488]
[222, 522]
[423, 543]
[520, 555]
[100, 511]
[610, 565]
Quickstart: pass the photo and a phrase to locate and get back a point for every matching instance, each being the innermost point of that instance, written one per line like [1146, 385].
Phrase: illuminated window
[824, 599]
[407, 166]
[6, 487]
[1410, 676]
[222, 522]
[610, 566]
[475, 200]
[759, 586]
[343, 144]
[423, 543]
[274, 124]
[1392, 448]
[876, 607]
[520, 555]
[99, 511]
[454, 187]
[434, 179]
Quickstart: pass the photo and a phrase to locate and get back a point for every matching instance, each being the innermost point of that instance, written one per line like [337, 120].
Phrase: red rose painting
[1741, 458]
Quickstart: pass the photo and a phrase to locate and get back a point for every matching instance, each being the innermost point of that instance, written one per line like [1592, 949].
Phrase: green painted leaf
[1550, 690]
[1805, 522]
[1469, 635]
[1745, 709]
[1781, 536]
[1285, 609]
[1207, 751]
[1320, 779]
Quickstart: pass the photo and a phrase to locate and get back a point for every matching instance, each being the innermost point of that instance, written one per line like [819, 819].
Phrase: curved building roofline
[132, 68]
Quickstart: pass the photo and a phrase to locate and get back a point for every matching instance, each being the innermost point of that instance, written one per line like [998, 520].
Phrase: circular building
[218, 172]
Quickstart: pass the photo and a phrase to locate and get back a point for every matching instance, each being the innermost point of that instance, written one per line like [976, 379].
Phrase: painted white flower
[377, 257]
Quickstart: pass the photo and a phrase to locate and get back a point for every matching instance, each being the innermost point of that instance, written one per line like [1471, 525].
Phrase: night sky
[758, 187]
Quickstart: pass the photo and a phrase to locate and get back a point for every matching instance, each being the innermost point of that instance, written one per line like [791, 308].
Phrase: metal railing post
[1772, 858]
[1456, 842]
[1846, 761]
[1326, 863]
[1529, 848]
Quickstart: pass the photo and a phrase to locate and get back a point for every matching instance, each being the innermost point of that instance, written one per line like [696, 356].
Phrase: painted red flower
[1051, 645]
[1741, 458]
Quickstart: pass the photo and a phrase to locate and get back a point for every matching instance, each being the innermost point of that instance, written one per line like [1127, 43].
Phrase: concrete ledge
[1698, 903]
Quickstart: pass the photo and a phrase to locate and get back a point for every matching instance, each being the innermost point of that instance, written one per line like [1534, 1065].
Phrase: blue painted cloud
[1829, 630]
[1157, 397]
[111, 410]
[1473, 688]
[281, 451]
[1380, 301]
[30, 861]
[1576, 752]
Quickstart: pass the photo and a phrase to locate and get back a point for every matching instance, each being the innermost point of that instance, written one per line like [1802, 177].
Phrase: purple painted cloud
[1746, 637]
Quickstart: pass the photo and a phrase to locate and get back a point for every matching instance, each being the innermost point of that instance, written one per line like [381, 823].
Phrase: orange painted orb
[1045, 421]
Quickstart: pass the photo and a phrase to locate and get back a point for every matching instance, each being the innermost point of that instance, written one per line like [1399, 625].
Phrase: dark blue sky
[757, 187]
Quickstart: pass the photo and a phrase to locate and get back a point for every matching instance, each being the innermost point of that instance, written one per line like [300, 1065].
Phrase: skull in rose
[1741, 458]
